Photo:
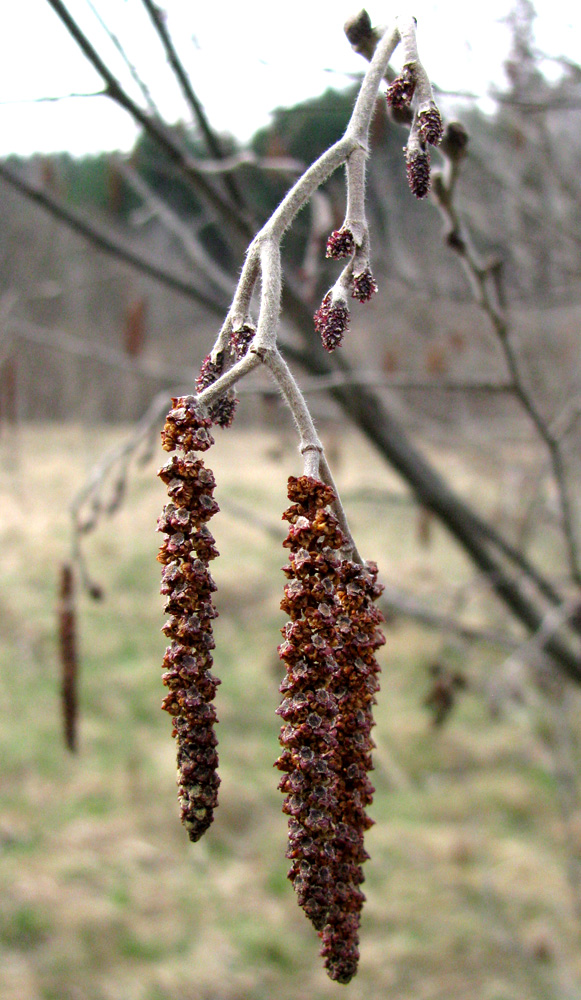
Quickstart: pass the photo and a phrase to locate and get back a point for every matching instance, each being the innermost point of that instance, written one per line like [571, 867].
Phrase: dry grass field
[473, 881]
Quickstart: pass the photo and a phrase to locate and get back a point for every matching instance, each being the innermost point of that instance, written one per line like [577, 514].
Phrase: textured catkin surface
[329, 689]
[188, 586]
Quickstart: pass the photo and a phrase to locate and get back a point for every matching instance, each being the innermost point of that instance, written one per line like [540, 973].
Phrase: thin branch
[158, 131]
[158, 20]
[61, 341]
[53, 98]
[88, 505]
[246, 157]
[106, 240]
[485, 280]
[132, 69]
[194, 250]
[395, 600]
[322, 383]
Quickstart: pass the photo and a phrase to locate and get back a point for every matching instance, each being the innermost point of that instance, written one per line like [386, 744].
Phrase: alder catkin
[308, 707]
[328, 694]
[354, 688]
[68, 655]
[188, 586]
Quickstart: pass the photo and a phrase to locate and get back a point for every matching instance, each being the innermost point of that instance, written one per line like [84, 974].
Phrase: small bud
[455, 141]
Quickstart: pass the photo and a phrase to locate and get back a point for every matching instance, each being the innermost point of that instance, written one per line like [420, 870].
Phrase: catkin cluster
[426, 130]
[332, 317]
[329, 690]
[188, 586]
[328, 693]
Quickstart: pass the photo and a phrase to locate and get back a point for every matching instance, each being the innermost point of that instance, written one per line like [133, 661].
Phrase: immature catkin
[223, 410]
[68, 655]
[418, 172]
[341, 243]
[331, 321]
[363, 285]
[401, 91]
[188, 586]
[430, 125]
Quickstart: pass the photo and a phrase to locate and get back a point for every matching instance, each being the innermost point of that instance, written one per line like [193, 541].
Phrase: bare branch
[132, 69]
[246, 157]
[395, 600]
[53, 98]
[158, 131]
[194, 250]
[322, 383]
[61, 341]
[107, 241]
[213, 144]
[485, 279]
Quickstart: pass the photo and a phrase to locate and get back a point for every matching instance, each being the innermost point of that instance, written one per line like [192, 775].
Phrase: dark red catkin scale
[431, 126]
[241, 338]
[364, 285]
[188, 586]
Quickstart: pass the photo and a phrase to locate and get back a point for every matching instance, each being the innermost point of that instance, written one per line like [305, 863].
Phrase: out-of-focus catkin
[188, 585]
[68, 655]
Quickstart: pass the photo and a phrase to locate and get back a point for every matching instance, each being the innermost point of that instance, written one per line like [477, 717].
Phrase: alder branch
[154, 110]
[371, 379]
[107, 241]
[263, 259]
[480, 540]
[213, 144]
[486, 282]
[157, 130]
[61, 341]
[194, 250]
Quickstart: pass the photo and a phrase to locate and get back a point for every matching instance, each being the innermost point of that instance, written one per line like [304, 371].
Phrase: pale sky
[244, 58]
